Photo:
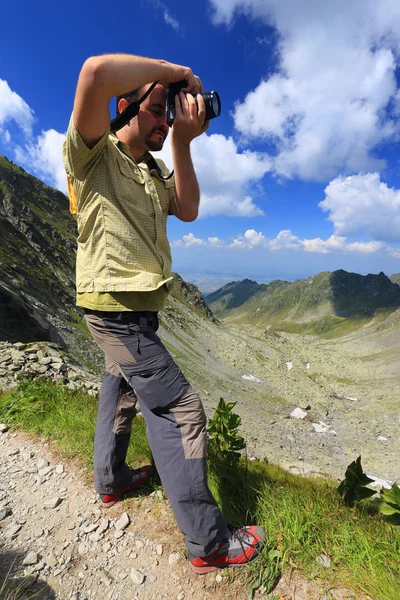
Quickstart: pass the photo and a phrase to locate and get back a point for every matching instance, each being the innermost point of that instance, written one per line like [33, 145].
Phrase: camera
[211, 100]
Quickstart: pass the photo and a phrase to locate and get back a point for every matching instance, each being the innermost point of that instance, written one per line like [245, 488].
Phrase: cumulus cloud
[189, 240]
[44, 157]
[14, 108]
[334, 96]
[285, 240]
[225, 175]
[363, 204]
[215, 241]
[41, 155]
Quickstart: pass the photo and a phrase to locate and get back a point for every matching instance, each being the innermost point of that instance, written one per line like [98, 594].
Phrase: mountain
[233, 295]
[37, 256]
[324, 302]
[395, 278]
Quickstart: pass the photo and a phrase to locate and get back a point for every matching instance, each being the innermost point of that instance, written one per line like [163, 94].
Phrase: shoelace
[238, 534]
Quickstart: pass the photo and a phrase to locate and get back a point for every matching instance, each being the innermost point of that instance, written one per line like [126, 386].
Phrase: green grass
[302, 517]
[57, 413]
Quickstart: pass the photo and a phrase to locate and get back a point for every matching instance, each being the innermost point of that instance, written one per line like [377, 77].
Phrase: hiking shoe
[139, 477]
[241, 547]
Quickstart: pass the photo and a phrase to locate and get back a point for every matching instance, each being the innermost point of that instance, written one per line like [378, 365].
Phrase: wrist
[180, 143]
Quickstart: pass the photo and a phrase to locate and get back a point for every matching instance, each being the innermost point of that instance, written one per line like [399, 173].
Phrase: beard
[155, 144]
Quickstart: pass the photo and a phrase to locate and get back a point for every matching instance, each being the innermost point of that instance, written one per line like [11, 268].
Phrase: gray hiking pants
[139, 366]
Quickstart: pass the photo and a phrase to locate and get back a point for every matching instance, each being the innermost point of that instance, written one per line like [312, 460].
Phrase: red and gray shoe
[139, 478]
[237, 550]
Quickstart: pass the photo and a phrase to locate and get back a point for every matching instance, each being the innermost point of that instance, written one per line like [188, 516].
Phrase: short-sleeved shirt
[122, 209]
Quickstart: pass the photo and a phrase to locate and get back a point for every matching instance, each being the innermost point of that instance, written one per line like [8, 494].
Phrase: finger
[201, 108]
[191, 105]
[178, 105]
[184, 102]
[200, 85]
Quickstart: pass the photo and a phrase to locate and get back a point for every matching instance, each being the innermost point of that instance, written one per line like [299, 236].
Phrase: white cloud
[285, 240]
[5, 136]
[188, 241]
[225, 175]
[215, 241]
[41, 155]
[44, 157]
[14, 108]
[363, 204]
[171, 21]
[325, 107]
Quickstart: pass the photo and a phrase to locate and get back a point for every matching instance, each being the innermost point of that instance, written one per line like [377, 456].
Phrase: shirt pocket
[129, 173]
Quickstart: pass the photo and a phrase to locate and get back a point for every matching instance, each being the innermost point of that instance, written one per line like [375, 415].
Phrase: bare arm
[103, 77]
[189, 123]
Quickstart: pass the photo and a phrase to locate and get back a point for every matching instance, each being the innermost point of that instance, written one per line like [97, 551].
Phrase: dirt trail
[51, 526]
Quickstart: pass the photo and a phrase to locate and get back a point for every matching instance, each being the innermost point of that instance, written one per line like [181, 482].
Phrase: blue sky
[300, 173]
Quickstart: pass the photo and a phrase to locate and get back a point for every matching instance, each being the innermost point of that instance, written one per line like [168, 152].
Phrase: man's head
[148, 130]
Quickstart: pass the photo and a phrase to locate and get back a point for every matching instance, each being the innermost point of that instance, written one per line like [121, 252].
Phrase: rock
[298, 413]
[181, 596]
[137, 577]
[324, 560]
[218, 578]
[14, 452]
[151, 578]
[83, 549]
[159, 549]
[3, 428]
[174, 558]
[118, 534]
[52, 502]
[51, 561]
[123, 522]
[90, 528]
[42, 463]
[59, 469]
[103, 526]
[13, 530]
[45, 471]
[31, 558]
[4, 511]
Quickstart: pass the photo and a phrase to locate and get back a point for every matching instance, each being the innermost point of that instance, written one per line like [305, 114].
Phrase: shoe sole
[204, 570]
[126, 491]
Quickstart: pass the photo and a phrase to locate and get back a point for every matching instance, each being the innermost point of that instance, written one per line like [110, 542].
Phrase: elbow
[190, 216]
[92, 72]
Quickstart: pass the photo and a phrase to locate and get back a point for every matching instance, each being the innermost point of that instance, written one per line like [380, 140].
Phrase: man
[121, 200]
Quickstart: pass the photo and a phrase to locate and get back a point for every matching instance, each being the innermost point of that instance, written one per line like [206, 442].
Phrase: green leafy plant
[223, 432]
[352, 488]
[389, 502]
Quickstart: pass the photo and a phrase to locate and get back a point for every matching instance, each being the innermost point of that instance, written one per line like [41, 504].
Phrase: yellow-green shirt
[124, 301]
[122, 210]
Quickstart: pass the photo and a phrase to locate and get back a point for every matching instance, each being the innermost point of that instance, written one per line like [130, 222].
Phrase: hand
[178, 73]
[189, 121]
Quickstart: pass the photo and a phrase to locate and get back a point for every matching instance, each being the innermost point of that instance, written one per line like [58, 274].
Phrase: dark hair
[132, 96]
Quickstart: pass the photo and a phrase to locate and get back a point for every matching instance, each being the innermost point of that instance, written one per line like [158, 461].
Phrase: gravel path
[52, 528]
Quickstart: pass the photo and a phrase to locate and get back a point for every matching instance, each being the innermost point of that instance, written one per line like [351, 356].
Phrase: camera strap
[130, 112]
[153, 165]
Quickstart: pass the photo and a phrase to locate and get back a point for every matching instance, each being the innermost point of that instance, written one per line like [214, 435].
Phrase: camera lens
[213, 104]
